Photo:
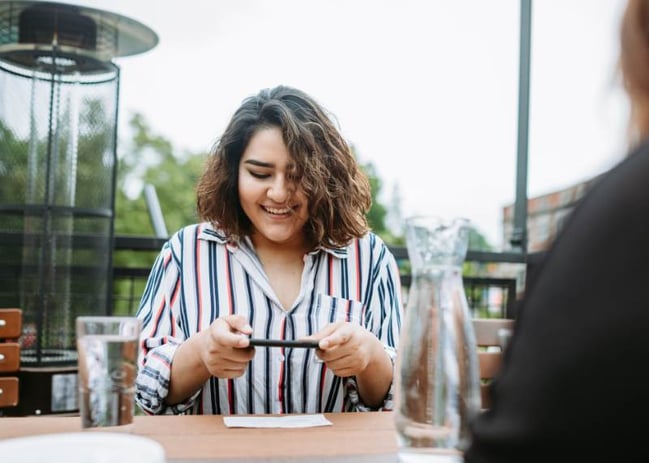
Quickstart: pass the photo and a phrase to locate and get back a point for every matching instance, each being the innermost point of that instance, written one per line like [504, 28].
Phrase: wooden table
[354, 438]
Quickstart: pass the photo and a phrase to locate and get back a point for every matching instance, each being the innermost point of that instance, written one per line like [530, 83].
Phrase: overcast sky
[426, 90]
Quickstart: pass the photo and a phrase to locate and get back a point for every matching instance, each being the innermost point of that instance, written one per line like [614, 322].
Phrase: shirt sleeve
[354, 398]
[384, 314]
[160, 336]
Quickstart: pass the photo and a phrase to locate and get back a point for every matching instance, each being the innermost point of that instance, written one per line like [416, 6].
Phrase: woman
[575, 378]
[284, 252]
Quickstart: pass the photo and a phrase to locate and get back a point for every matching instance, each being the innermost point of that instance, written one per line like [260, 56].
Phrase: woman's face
[274, 203]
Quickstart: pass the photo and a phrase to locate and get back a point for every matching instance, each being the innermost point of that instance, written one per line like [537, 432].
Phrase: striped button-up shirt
[200, 276]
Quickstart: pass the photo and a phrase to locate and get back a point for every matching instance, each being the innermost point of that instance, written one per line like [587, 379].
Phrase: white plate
[82, 447]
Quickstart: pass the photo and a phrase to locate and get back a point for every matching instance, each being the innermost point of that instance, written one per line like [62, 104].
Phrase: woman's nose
[280, 190]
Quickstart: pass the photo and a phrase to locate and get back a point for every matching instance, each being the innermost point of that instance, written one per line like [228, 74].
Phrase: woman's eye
[259, 175]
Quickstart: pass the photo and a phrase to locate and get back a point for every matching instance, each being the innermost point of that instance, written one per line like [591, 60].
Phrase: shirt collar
[209, 233]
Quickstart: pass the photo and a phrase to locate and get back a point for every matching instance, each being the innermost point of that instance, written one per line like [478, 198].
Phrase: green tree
[477, 240]
[150, 159]
[378, 214]
[395, 219]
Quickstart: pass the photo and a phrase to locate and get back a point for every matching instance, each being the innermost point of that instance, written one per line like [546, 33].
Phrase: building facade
[545, 215]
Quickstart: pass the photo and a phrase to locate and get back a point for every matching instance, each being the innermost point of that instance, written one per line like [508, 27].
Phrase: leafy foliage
[378, 214]
[150, 159]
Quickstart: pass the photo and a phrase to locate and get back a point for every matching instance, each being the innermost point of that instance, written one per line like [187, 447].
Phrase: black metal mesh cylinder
[57, 187]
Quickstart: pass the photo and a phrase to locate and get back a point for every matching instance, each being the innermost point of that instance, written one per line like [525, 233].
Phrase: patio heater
[59, 92]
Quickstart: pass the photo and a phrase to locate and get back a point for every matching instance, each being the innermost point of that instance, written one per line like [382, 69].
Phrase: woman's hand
[220, 350]
[347, 348]
[225, 349]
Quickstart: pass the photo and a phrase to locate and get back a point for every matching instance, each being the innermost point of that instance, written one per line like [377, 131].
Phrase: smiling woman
[284, 253]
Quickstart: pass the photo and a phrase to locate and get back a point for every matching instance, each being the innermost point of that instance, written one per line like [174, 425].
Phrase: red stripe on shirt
[174, 296]
[158, 316]
[161, 359]
[166, 261]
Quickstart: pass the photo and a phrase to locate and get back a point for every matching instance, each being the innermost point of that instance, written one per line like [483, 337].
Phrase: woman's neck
[283, 264]
[289, 251]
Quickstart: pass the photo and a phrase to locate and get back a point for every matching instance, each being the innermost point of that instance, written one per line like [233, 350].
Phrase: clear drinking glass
[108, 350]
[437, 378]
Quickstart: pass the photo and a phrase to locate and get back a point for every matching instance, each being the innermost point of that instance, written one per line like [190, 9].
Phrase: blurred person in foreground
[283, 252]
[575, 379]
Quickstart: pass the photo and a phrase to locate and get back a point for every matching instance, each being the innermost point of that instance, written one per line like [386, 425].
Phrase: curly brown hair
[337, 189]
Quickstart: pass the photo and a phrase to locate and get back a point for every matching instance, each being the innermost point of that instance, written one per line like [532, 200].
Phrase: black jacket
[575, 381]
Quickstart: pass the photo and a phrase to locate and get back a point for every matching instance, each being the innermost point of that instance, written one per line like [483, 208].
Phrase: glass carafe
[437, 378]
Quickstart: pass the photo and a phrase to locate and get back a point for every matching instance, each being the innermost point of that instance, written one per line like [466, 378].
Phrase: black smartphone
[307, 343]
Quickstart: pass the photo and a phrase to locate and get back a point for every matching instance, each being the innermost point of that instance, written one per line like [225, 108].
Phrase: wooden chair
[491, 335]
[10, 331]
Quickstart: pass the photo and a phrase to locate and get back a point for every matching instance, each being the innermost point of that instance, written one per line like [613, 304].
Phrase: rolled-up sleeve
[160, 337]
[384, 306]
[389, 305]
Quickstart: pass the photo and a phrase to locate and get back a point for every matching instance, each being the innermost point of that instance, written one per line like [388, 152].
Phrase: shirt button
[280, 358]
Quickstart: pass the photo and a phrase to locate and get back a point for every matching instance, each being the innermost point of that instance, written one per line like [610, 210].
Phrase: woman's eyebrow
[258, 163]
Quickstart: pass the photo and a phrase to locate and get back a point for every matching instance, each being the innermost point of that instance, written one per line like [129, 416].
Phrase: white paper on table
[288, 421]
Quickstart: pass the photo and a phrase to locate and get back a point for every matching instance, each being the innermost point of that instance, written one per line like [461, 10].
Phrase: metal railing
[488, 295]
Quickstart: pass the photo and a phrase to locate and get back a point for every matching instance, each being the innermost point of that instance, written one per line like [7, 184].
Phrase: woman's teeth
[275, 211]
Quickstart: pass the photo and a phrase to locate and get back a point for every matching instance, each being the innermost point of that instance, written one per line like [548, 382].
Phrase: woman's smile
[278, 211]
